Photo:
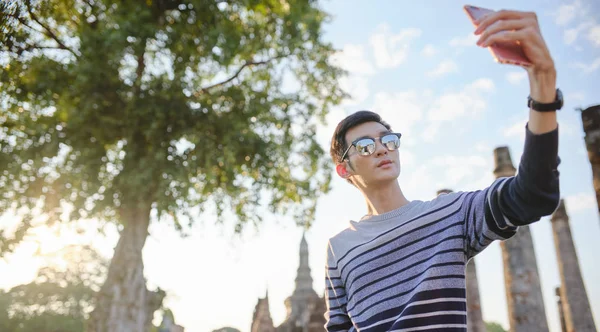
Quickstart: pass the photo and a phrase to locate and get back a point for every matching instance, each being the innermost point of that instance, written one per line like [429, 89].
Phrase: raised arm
[523, 28]
[495, 213]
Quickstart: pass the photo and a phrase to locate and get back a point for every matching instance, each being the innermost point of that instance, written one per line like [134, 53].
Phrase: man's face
[381, 167]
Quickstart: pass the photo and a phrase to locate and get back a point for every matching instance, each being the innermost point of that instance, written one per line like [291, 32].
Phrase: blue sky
[418, 66]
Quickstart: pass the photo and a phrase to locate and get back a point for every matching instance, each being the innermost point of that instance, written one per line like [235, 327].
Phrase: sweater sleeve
[336, 316]
[496, 212]
[535, 191]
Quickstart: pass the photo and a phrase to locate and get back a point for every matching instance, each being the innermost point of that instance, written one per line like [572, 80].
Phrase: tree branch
[22, 21]
[49, 32]
[39, 47]
[141, 67]
[239, 71]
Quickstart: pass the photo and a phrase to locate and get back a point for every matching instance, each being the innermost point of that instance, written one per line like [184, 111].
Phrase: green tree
[494, 327]
[123, 110]
[61, 296]
[226, 329]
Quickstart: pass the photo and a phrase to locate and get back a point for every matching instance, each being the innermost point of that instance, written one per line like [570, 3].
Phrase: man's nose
[380, 150]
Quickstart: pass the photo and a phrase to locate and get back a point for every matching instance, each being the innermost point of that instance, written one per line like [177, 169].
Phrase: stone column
[475, 321]
[590, 118]
[575, 304]
[526, 312]
[561, 312]
[261, 320]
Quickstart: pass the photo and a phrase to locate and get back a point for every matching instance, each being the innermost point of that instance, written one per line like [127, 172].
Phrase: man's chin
[384, 179]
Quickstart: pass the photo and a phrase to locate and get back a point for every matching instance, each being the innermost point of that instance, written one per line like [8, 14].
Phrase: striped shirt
[404, 270]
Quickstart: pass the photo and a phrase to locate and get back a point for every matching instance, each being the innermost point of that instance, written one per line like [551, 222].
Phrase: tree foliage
[162, 105]
[122, 110]
[494, 327]
[61, 296]
[226, 329]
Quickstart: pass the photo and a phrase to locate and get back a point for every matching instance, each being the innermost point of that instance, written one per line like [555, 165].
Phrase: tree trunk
[124, 304]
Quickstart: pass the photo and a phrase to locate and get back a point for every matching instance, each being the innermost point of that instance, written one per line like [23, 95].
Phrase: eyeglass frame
[375, 139]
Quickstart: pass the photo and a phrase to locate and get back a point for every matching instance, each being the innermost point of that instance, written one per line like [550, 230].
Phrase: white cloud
[516, 77]
[402, 109]
[588, 68]
[357, 87]
[443, 68]
[580, 202]
[407, 157]
[468, 40]
[431, 131]
[567, 12]
[458, 168]
[517, 129]
[407, 110]
[455, 172]
[429, 50]
[578, 14]
[390, 50]
[571, 35]
[594, 35]
[469, 101]
[575, 96]
[482, 84]
[484, 147]
[325, 131]
[570, 129]
[352, 58]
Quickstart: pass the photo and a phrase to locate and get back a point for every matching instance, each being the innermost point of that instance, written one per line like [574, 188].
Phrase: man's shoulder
[342, 235]
[442, 201]
[345, 239]
[448, 197]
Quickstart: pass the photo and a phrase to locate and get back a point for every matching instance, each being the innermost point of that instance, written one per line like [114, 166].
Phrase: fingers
[507, 36]
[485, 22]
[502, 25]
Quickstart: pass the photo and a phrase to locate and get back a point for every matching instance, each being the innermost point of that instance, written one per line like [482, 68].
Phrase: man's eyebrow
[381, 133]
[359, 138]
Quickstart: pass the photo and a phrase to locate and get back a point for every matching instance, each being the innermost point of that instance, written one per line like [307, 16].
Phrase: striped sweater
[405, 270]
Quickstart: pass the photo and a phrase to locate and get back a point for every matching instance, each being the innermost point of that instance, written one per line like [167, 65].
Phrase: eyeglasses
[366, 145]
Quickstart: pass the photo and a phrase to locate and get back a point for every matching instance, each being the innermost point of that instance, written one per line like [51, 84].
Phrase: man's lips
[384, 162]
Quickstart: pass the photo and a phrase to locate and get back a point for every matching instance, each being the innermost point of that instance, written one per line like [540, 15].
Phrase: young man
[402, 266]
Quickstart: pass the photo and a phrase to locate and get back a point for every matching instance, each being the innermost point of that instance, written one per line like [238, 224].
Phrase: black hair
[338, 141]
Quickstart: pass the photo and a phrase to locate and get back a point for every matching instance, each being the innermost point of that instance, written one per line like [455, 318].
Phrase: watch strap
[546, 107]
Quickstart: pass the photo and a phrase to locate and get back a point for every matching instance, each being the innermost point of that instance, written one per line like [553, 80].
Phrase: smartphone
[511, 53]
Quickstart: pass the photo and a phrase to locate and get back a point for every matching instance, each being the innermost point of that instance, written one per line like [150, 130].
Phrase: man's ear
[342, 171]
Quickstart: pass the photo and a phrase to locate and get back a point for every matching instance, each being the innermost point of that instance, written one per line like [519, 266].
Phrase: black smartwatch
[548, 107]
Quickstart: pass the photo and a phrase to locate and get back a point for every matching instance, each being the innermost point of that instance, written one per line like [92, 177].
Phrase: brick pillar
[561, 312]
[590, 118]
[475, 321]
[526, 311]
[575, 304]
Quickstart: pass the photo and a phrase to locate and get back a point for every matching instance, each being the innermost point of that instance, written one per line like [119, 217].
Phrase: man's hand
[523, 28]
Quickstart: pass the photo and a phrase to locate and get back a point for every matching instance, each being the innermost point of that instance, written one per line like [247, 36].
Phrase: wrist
[542, 85]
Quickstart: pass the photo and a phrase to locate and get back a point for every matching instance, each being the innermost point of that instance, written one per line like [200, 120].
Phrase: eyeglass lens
[366, 146]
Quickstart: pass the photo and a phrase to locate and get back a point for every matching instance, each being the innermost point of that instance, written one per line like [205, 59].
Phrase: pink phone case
[511, 53]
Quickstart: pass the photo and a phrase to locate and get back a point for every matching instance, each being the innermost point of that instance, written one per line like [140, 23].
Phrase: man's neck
[385, 198]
